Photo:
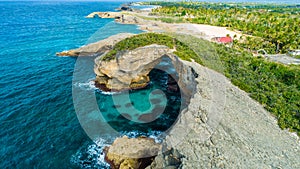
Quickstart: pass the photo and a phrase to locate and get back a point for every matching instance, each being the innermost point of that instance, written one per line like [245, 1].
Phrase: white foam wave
[90, 85]
[92, 156]
[108, 93]
[156, 135]
[96, 150]
[64, 56]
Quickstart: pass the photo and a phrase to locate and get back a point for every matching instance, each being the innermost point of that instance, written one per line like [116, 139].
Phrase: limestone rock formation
[120, 17]
[126, 18]
[125, 8]
[170, 159]
[105, 15]
[132, 153]
[97, 48]
[223, 127]
[130, 69]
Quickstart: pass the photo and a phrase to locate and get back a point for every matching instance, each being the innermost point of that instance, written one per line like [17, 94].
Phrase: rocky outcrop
[97, 48]
[120, 17]
[130, 69]
[170, 159]
[125, 8]
[132, 153]
[105, 15]
[223, 127]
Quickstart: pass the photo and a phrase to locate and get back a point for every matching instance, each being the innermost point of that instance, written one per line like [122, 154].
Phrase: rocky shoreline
[131, 153]
[221, 127]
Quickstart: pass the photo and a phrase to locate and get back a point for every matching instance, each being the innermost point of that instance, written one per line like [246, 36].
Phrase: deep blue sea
[51, 115]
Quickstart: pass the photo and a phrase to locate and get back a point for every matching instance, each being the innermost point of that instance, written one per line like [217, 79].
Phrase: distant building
[223, 40]
[294, 52]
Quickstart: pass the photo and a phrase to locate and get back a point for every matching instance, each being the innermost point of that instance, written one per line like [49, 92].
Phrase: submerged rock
[132, 153]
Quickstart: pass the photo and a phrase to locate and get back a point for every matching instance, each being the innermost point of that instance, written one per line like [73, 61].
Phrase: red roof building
[223, 40]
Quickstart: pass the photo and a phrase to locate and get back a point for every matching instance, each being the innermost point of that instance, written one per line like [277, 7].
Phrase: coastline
[206, 32]
[151, 25]
[230, 131]
[51, 109]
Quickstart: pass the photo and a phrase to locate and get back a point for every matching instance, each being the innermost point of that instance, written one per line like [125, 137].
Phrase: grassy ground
[183, 51]
[273, 27]
[275, 86]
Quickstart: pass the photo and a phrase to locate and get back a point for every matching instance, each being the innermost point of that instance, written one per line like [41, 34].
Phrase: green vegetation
[182, 51]
[274, 28]
[275, 86]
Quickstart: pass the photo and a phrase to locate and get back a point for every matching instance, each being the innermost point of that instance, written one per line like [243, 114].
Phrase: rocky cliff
[222, 127]
[130, 69]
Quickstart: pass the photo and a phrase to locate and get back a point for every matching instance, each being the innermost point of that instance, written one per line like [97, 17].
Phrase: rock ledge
[132, 153]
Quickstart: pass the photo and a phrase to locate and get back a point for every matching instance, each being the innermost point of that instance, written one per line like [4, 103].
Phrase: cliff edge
[224, 128]
[221, 127]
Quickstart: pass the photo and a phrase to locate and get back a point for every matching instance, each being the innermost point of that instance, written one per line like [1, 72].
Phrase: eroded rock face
[132, 153]
[223, 127]
[97, 48]
[170, 159]
[105, 15]
[129, 70]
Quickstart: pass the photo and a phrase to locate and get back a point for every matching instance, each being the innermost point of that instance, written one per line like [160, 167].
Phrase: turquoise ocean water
[40, 125]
